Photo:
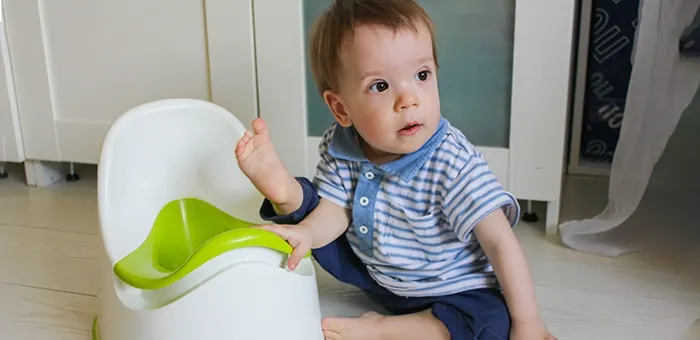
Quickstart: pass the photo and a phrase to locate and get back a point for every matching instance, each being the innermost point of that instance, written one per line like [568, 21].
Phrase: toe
[244, 139]
[330, 335]
[330, 330]
[259, 126]
[328, 323]
[242, 147]
[336, 325]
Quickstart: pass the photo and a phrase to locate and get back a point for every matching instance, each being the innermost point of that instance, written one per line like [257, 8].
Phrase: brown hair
[339, 22]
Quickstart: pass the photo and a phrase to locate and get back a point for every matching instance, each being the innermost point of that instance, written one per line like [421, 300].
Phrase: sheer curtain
[662, 86]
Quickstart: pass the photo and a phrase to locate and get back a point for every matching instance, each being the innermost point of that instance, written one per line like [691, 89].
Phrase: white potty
[175, 211]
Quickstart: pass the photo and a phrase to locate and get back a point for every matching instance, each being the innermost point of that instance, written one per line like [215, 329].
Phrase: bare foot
[373, 326]
[362, 328]
[258, 160]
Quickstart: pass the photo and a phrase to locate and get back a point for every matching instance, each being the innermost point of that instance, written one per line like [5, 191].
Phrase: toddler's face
[388, 90]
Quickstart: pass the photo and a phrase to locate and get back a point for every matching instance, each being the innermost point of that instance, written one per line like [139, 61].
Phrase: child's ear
[337, 107]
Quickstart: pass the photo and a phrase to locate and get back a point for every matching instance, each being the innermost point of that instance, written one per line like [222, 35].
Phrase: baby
[402, 205]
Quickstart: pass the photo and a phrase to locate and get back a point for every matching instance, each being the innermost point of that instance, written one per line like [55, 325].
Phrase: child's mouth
[410, 129]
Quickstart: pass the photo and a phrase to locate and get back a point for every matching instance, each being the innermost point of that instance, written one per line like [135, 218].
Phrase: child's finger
[297, 255]
[299, 244]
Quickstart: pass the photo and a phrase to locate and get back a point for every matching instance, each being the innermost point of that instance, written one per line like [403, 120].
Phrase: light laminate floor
[50, 253]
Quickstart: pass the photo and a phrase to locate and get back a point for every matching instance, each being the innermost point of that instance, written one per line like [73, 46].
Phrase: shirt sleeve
[308, 204]
[332, 176]
[473, 194]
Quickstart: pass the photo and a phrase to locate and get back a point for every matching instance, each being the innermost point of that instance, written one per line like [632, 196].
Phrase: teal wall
[475, 48]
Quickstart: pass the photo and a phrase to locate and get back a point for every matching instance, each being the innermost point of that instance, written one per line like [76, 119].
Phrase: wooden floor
[50, 252]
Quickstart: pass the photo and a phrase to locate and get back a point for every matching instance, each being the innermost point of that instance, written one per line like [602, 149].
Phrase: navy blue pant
[476, 314]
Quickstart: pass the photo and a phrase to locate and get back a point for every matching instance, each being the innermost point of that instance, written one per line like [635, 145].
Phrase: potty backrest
[163, 151]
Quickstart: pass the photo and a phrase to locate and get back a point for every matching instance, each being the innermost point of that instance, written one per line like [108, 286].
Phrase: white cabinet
[11, 149]
[78, 65]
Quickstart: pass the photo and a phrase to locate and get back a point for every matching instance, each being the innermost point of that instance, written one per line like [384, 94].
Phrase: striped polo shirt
[412, 219]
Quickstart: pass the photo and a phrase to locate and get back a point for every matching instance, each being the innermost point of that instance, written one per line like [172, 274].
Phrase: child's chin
[407, 148]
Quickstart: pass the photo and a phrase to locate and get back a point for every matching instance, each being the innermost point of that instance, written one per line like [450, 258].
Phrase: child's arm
[304, 197]
[326, 221]
[314, 224]
[323, 225]
[480, 209]
[508, 261]
[292, 214]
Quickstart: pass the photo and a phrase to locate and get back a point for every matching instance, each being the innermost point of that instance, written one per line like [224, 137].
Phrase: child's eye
[423, 75]
[379, 86]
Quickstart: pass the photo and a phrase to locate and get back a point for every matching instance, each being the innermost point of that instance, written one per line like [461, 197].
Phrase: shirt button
[363, 229]
[369, 175]
[364, 201]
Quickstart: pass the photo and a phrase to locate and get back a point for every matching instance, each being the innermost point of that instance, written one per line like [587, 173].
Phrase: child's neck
[376, 156]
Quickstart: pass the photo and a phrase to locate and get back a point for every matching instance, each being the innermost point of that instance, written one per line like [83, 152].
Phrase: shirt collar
[344, 145]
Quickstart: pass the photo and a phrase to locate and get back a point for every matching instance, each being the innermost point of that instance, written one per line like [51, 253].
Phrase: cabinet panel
[10, 137]
[231, 42]
[10, 146]
[80, 64]
[104, 57]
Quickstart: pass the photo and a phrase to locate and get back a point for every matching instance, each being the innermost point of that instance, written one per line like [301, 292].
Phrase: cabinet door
[10, 137]
[503, 81]
[80, 64]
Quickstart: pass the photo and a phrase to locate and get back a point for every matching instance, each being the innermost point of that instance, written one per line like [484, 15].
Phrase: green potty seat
[186, 234]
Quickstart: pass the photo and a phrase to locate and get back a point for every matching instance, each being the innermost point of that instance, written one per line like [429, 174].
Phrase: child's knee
[490, 322]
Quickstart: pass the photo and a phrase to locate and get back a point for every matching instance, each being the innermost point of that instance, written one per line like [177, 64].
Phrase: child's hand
[300, 237]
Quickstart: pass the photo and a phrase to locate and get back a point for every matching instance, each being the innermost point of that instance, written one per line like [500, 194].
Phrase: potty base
[249, 301]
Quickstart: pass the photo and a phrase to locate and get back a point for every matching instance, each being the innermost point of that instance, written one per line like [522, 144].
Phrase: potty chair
[183, 262]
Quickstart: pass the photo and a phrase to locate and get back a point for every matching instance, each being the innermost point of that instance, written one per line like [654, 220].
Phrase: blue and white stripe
[413, 218]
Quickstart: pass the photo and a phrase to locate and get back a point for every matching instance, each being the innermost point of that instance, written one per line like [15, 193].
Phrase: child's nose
[405, 101]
